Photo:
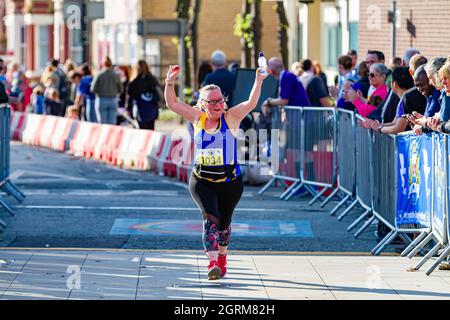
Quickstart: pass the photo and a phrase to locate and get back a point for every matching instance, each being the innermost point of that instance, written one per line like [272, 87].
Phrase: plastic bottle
[262, 63]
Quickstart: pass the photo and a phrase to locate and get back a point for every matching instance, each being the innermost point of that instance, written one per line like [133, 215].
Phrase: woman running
[216, 182]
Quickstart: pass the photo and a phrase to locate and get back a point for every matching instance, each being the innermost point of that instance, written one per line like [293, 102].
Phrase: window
[332, 44]
[43, 46]
[353, 32]
[76, 46]
[22, 45]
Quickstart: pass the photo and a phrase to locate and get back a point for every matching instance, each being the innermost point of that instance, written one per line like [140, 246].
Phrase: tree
[243, 29]
[183, 13]
[283, 25]
[257, 30]
[193, 34]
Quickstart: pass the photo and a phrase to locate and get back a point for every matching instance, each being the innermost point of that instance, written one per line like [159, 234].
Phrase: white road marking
[29, 174]
[100, 193]
[141, 208]
[287, 228]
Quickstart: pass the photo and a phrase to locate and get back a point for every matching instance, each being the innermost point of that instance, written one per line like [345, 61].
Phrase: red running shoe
[214, 271]
[222, 262]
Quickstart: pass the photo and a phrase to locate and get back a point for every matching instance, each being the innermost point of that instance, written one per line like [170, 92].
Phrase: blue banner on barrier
[439, 186]
[414, 181]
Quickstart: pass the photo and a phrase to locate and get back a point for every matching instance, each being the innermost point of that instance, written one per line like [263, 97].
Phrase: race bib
[210, 157]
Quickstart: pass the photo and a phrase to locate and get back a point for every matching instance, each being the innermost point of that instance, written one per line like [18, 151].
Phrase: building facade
[116, 35]
[420, 24]
[29, 32]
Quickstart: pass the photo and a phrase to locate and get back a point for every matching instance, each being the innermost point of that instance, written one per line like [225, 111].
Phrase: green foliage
[243, 28]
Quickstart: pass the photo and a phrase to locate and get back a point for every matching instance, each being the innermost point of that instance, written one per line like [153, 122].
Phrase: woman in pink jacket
[378, 91]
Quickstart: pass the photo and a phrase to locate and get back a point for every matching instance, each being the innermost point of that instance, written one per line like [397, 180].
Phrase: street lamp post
[394, 22]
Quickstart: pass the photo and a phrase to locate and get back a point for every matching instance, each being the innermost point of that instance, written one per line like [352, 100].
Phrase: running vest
[215, 157]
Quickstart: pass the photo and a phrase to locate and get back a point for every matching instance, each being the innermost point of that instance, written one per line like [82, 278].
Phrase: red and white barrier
[64, 131]
[32, 128]
[165, 154]
[104, 150]
[81, 138]
[18, 122]
[44, 136]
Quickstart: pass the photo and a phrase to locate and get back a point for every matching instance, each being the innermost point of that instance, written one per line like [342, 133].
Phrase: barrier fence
[399, 181]
[5, 184]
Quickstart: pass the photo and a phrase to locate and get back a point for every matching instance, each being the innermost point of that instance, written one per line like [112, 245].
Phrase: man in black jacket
[3, 96]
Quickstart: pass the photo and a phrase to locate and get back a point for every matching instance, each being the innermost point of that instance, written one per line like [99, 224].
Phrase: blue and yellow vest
[215, 157]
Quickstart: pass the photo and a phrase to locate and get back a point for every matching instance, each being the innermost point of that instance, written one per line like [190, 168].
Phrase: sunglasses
[372, 75]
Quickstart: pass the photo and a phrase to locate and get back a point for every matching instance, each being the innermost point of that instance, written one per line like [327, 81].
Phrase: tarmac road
[79, 203]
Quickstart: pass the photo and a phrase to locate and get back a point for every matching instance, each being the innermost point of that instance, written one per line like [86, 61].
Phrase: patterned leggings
[213, 237]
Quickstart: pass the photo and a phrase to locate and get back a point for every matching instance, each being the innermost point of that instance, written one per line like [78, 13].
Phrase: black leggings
[216, 199]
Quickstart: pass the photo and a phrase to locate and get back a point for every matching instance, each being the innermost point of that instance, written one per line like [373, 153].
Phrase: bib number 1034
[211, 157]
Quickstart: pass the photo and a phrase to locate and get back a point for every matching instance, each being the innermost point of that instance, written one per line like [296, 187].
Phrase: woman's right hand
[173, 72]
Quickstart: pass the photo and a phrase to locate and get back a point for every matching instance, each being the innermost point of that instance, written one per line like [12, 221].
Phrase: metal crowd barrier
[5, 184]
[346, 158]
[385, 188]
[287, 120]
[439, 231]
[319, 152]
[364, 178]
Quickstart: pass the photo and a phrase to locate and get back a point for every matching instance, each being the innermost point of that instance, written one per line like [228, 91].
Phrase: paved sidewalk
[142, 275]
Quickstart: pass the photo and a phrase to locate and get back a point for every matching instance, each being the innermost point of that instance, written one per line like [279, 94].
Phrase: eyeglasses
[214, 102]
[372, 75]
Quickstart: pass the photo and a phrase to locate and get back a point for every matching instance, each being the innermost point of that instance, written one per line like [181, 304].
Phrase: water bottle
[262, 63]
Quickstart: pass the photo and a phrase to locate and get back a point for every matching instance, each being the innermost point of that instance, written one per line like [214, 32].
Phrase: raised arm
[239, 112]
[186, 111]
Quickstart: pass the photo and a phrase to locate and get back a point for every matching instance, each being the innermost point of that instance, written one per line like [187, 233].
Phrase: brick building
[425, 30]
[116, 35]
[29, 30]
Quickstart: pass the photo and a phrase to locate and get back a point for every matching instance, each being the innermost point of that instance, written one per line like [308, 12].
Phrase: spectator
[344, 102]
[53, 105]
[233, 67]
[63, 83]
[432, 95]
[354, 55]
[292, 93]
[203, 70]
[401, 83]
[3, 96]
[345, 73]
[396, 63]
[415, 62]
[18, 83]
[2, 73]
[73, 113]
[408, 54]
[435, 123]
[75, 78]
[317, 93]
[85, 97]
[363, 84]
[377, 78]
[38, 100]
[221, 76]
[124, 75]
[432, 68]
[106, 86]
[318, 71]
[296, 69]
[145, 95]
